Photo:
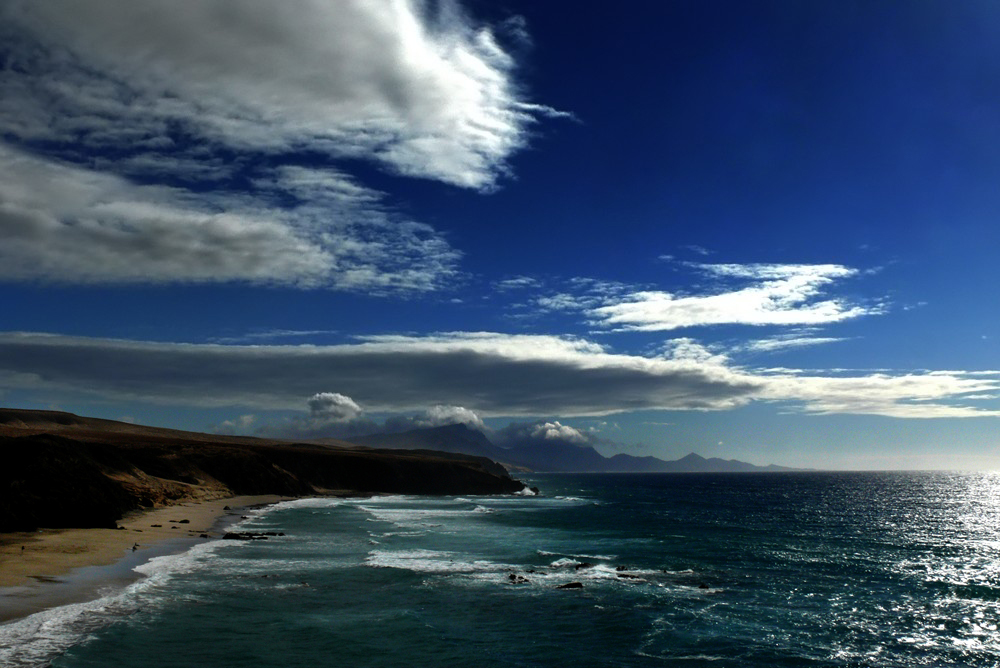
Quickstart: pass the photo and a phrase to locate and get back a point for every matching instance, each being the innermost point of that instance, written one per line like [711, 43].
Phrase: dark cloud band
[491, 374]
[499, 376]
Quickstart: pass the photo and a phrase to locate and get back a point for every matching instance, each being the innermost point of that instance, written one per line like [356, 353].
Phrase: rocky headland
[66, 471]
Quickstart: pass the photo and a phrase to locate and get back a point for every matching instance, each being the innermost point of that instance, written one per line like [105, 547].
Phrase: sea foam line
[430, 561]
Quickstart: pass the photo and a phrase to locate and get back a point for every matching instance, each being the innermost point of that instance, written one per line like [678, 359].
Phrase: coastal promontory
[66, 471]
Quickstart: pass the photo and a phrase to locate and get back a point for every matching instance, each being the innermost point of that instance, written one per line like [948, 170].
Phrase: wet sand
[51, 567]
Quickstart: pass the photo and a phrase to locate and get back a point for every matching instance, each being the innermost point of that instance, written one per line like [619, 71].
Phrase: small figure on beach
[135, 547]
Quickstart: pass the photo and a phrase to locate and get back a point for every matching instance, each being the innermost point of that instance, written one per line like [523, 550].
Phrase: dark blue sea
[797, 569]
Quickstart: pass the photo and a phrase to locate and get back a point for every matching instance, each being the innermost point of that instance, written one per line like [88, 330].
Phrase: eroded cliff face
[87, 475]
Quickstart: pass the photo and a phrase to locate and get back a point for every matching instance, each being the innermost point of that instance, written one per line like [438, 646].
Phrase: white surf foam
[599, 557]
[313, 502]
[39, 638]
[430, 561]
[159, 569]
[412, 518]
[35, 640]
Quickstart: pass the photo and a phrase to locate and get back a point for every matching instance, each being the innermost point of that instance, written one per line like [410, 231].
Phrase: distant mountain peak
[455, 426]
[546, 454]
[456, 438]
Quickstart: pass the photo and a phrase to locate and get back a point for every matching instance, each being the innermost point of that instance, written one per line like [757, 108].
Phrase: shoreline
[49, 568]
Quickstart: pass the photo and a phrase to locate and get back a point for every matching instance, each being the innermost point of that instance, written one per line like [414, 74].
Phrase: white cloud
[331, 415]
[799, 338]
[554, 431]
[375, 248]
[778, 343]
[60, 222]
[776, 295]
[65, 223]
[517, 283]
[435, 416]
[487, 374]
[688, 349]
[333, 407]
[427, 94]
[334, 415]
[562, 301]
[444, 415]
[240, 425]
[902, 395]
[209, 94]
[582, 294]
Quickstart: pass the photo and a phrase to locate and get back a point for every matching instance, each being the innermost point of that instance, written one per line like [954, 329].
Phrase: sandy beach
[65, 469]
[34, 565]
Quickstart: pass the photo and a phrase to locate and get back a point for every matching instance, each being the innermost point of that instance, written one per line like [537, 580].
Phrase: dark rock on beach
[244, 535]
[252, 535]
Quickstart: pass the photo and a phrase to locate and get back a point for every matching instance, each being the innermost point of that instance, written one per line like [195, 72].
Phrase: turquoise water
[825, 569]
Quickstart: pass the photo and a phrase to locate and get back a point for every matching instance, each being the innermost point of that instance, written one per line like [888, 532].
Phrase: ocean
[776, 569]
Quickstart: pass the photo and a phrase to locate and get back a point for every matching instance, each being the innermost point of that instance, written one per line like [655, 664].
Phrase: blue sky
[764, 230]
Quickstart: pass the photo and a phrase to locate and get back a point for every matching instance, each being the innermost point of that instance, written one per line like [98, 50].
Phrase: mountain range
[549, 455]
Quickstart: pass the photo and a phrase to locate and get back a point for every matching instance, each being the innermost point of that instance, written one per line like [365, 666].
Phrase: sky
[754, 230]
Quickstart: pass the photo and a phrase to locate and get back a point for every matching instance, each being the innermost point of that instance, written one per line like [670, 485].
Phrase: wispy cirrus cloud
[517, 283]
[489, 374]
[797, 338]
[579, 293]
[375, 247]
[270, 335]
